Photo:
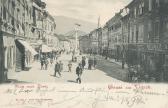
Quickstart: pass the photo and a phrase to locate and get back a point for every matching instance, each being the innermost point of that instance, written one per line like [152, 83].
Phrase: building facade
[145, 45]
[104, 40]
[94, 42]
[84, 44]
[137, 36]
[20, 27]
[15, 17]
[114, 37]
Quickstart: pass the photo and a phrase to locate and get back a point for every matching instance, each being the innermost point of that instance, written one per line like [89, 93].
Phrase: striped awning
[46, 49]
[28, 47]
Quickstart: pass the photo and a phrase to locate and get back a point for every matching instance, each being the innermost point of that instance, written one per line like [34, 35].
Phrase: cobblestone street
[35, 74]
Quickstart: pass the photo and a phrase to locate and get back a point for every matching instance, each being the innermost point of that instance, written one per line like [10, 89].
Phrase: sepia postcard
[84, 53]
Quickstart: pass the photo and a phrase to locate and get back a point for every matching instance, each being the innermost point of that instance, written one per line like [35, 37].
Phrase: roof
[40, 3]
[131, 3]
[114, 19]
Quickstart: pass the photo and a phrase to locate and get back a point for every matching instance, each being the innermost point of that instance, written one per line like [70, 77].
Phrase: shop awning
[8, 41]
[54, 49]
[46, 49]
[28, 47]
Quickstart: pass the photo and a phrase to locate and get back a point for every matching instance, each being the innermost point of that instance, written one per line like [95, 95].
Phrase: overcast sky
[88, 10]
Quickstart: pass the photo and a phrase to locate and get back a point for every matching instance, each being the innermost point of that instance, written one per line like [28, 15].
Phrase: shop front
[24, 55]
[1, 60]
[7, 55]
[165, 73]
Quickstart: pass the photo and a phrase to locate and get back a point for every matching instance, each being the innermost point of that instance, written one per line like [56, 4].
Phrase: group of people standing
[44, 62]
[46, 58]
[92, 62]
[58, 66]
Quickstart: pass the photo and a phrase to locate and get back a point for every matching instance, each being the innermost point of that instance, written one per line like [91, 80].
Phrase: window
[135, 10]
[157, 3]
[141, 8]
[141, 33]
[156, 29]
[132, 34]
[0, 10]
[150, 5]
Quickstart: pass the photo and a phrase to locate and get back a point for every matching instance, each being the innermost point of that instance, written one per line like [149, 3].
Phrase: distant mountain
[73, 33]
[67, 24]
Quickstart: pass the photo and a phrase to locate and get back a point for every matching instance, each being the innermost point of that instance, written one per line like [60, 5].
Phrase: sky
[88, 10]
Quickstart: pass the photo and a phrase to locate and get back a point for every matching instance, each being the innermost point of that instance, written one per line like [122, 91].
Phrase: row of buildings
[25, 25]
[137, 36]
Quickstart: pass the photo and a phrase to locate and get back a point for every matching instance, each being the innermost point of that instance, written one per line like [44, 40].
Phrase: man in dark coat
[57, 69]
[46, 63]
[42, 64]
[90, 62]
[83, 63]
[94, 62]
[79, 73]
[61, 66]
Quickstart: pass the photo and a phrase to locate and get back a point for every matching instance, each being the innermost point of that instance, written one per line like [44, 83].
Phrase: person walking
[57, 69]
[79, 73]
[51, 59]
[94, 62]
[83, 63]
[42, 64]
[61, 66]
[46, 63]
[89, 64]
[70, 67]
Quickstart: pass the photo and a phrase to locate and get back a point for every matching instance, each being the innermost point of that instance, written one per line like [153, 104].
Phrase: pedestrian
[70, 67]
[89, 64]
[46, 64]
[83, 63]
[94, 62]
[51, 61]
[57, 69]
[79, 73]
[42, 64]
[61, 66]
